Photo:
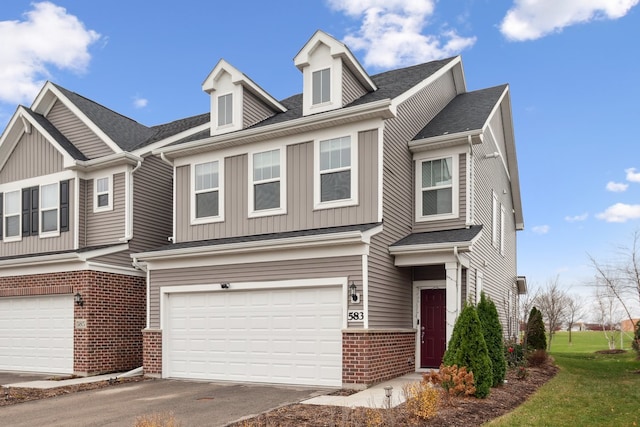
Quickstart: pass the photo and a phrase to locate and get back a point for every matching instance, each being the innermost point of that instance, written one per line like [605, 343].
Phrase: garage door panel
[277, 335]
[36, 334]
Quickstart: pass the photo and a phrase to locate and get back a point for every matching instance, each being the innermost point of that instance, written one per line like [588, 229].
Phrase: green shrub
[513, 353]
[535, 336]
[492, 331]
[468, 348]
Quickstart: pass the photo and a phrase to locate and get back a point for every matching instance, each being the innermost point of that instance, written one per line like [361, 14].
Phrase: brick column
[152, 352]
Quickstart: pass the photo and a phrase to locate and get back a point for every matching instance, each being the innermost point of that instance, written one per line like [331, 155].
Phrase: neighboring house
[331, 238]
[628, 325]
[79, 192]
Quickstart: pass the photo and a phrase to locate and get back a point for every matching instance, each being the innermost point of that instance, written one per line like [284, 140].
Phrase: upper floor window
[225, 109]
[437, 188]
[502, 218]
[206, 195]
[12, 215]
[335, 169]
[102, 194]
[321, 81]
[49, 205]
[267, 190]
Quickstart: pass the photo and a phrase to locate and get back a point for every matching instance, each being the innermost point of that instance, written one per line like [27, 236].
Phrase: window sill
[335, 204]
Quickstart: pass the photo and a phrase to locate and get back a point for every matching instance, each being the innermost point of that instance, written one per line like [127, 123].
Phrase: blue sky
[573, 71]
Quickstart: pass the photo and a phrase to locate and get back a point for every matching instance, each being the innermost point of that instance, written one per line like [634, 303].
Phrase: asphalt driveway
[192, 404]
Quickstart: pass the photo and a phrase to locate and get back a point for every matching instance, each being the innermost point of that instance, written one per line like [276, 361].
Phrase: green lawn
[590, 389]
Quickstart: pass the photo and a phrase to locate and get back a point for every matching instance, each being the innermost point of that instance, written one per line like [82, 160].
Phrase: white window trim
[502, 218]
[455, 186]
[5, 238]
[110, 193]
[331, 83]
[54, 233]
[192, 191]
[233, 112]
[494, 220]
[283, 185]
[353, 200]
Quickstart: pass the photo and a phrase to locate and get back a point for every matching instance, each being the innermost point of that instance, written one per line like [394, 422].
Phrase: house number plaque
[81, 323]
[355, 316]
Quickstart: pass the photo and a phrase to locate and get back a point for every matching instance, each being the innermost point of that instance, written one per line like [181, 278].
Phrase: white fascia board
[431, 248]
[115, 159]
[426, 82]
[444, 141]
[78, 113]
[303, 124]
[148, 149]
[333, 239]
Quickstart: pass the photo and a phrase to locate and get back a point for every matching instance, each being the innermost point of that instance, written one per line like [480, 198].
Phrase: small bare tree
[608, 314]
[575, 310]
[552, 302]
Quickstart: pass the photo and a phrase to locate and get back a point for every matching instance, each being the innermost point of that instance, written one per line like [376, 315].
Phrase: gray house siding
[351, 87]
[82, 212]
[36, 244]
[389, 286]
[496, 268]
[349, 266]
[106, 227]
[77, 132]
[300, 212]
[152, 212]
[32, 156]
[253, 110]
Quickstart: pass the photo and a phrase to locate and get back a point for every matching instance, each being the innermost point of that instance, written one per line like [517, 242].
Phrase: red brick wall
[114, 309]
[369, 357]
[152, 351]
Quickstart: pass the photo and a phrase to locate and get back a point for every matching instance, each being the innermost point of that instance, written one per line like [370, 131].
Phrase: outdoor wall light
[224, 285]
[78, 299]
[353, 289]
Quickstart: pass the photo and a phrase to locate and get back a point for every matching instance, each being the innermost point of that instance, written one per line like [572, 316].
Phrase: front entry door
[432, 327]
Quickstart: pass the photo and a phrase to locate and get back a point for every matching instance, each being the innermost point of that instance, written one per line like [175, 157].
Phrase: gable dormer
[332, 77]
[236, 101]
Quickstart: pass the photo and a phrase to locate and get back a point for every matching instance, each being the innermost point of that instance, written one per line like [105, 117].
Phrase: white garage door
[36, 334]
[286, 336]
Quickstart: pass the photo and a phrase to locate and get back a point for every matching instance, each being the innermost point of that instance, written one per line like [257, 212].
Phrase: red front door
[432, 327]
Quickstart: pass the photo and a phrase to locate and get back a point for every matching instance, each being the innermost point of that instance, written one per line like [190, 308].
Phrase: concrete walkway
[53, 383]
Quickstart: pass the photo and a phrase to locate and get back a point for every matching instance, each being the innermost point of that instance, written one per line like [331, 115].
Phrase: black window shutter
[26, 211]
[1, 217]
[64, 205]
[35, 220]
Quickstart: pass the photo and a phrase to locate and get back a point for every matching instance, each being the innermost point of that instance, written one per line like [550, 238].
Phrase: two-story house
[331, 238]
[79, 192]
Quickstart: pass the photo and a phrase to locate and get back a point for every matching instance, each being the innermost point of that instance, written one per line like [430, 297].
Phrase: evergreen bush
[536, 338]
[635, 344]
[468, 348]
[492, 331]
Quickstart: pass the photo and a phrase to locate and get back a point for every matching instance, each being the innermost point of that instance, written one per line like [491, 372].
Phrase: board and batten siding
[152, 204]
[32, 156]
[253, 110]
[300, 213]
[77, 132]
[351, 87]
[106, 227]
[390, 287]
[499, 271]
[35, 244]
[348, 266]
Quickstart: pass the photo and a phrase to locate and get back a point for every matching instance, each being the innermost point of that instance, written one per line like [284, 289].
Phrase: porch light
[353, 289]
[78, 299]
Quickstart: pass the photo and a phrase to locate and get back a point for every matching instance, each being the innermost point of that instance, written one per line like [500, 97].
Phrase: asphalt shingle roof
[459, 235]
[467, 111]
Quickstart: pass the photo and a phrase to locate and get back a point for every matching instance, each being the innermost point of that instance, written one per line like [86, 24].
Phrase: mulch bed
[459, 412]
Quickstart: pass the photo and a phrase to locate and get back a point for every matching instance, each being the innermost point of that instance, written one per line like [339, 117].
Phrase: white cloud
[541, 229]
[632, 175]
[140, 102]
[391, 32]
[577, 218]
[620, 212]
[47, 37]
[616, 187]
[532, 19]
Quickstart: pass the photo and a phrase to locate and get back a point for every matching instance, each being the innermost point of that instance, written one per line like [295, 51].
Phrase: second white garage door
[286, 336]
[36, 334]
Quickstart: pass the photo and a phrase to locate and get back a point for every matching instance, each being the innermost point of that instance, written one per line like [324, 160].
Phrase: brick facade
[370, 356]
[152, 352]
[114, 310]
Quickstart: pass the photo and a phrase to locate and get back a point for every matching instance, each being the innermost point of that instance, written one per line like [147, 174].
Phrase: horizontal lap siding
[33, 156]
[106, 227]
[350, 267]
[351, 87]
[389, 286]
[35, 244]
[77, 132]
[300, 213]
[253, 110]
[152, 213]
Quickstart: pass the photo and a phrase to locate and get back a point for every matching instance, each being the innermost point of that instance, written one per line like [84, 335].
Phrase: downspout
[128, 234]
[458, 278]
[471, 183]
[145, 268]
[173, 201]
